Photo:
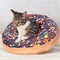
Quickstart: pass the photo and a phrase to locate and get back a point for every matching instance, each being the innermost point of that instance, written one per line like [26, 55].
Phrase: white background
[50, 8]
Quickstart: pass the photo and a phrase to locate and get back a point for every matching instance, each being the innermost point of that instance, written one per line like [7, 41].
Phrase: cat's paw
[25, 37]
[18, 40]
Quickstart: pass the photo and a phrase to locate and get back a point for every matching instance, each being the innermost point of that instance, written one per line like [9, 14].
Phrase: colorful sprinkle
[47, 31]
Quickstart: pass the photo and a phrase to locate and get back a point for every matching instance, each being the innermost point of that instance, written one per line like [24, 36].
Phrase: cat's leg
[19, 38]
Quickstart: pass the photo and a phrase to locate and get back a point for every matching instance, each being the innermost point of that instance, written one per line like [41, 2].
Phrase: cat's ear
[14, 12]
[25, 14]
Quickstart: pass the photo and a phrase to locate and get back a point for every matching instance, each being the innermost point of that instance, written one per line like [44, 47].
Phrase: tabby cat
[25, 27]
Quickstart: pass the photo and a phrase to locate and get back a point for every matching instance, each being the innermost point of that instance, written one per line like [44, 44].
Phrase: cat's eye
[23, 21]
[22, 18]
[18, 22]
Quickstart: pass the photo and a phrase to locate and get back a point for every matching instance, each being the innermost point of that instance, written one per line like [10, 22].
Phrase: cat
[25, 27]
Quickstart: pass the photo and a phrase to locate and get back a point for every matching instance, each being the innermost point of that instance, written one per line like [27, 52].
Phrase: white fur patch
[22, 31]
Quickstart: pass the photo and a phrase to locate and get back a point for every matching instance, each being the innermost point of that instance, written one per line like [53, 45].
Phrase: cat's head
[19, 18]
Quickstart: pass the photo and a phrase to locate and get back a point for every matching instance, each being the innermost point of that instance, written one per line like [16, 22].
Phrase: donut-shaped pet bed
[43, 41]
